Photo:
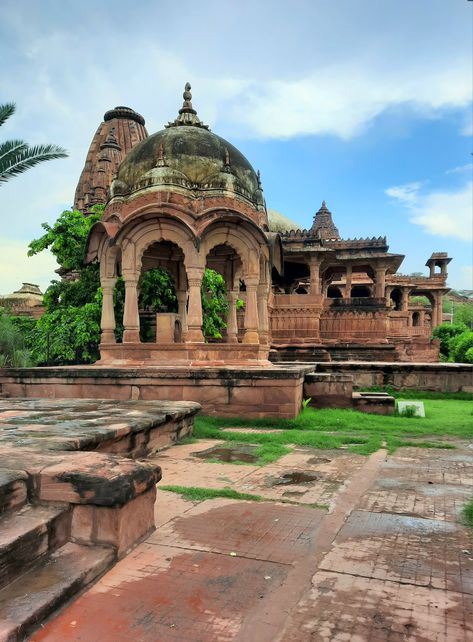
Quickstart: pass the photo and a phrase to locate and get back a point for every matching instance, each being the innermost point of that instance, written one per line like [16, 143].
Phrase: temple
[184, 199]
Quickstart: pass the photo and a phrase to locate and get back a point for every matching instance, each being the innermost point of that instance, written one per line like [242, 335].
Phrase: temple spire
[323, 226]
[187, 114]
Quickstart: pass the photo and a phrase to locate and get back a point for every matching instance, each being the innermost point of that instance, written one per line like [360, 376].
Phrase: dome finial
[187, 114]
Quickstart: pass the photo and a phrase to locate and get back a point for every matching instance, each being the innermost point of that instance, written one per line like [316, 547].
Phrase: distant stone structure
[27, 301]
[185, 199]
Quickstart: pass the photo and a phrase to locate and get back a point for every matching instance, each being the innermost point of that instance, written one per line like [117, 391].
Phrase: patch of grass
[468, 514]
[197, 494]
[186, 440]
[404, 393]
[365, 433]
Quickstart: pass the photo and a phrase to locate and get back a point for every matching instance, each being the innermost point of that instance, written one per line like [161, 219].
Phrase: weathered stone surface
[32, 597]
[227, 391]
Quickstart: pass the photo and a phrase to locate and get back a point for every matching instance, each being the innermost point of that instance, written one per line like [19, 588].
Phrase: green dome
[189, 156]
[280, 223]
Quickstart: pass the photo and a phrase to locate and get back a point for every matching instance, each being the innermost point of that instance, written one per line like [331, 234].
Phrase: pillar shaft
[251, 311]
[380, 282]
[314, 267]
[348, 276]
[107, 322]
[194, 308]
[182, 308]
[131, 317]
[232, 322]
[263, 318]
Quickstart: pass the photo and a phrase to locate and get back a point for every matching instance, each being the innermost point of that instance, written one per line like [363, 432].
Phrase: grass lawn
[468, 514]
[363, 433]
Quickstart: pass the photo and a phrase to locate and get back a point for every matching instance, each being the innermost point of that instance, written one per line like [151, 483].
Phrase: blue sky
[365, 104]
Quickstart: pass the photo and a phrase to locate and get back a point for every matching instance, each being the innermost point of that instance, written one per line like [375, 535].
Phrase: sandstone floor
[372, 549]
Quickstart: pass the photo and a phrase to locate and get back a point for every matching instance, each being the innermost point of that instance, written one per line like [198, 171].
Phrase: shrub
[460, 346]
[445, 332]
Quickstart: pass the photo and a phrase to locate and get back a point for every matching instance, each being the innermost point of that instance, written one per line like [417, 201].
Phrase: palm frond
[11, 147]
[6, 111]
[25, 158]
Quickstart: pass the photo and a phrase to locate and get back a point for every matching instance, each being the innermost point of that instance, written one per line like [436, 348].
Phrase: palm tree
[16, 156]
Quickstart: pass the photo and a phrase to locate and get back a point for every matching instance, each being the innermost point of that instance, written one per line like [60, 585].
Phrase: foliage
[16, 156]
[157, 292]
[460, 347]
[445, 332]
[67, 237]
[419, 300]
[68, 335]
[13, 349]
[214, 305]
[463, 313]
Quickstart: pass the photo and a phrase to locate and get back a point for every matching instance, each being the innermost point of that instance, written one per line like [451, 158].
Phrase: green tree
[445, 332]
[16, 156]
[214, 305]
[460, 347]
[69, 331]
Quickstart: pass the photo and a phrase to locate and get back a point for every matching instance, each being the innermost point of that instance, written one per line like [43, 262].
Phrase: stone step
[13, 489]
[30, 599]
[29, 533]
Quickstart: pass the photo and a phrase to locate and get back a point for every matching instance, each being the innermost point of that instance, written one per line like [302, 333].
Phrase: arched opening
[220, 294]
[396, 299]
[416, 319]
[333, 292]
[162, 293]
[360, 292]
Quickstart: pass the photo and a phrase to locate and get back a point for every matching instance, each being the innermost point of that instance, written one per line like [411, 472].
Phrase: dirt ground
[342, 547]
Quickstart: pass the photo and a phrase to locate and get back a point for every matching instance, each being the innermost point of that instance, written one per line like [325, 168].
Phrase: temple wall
[351, 325]
[295, 318]
[438, 377]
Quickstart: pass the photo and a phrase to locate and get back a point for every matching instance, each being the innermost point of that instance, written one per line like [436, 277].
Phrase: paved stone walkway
[388, 560]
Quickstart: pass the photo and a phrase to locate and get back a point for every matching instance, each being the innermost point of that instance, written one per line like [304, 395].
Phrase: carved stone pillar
[348, 274]
[314, 267]
[182, 308]
[251, 311]
[107, 322]
[232, 323]
[405, 300]
[380, 282]
[131, 317]
[194, 308]
[263, 319]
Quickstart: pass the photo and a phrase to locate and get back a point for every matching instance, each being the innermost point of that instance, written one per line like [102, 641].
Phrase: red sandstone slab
[267, 531]
[399, 548]
[343, 607]
[167, 594]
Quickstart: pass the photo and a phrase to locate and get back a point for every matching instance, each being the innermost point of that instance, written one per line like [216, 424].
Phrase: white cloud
[16, 267]
[407, 194]
[440, 213]
[461, 169]
[343, 99]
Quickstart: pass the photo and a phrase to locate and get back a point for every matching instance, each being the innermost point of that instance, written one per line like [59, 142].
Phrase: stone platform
[372, 549]
[72, 498]
[270, 391]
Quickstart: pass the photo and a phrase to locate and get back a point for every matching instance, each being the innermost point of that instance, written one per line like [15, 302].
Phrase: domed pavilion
[184, 199]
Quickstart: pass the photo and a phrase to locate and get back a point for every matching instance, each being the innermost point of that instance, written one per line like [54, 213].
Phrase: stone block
[120, 527]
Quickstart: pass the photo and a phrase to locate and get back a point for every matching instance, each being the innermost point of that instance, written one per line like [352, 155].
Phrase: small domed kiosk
[184, 199]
